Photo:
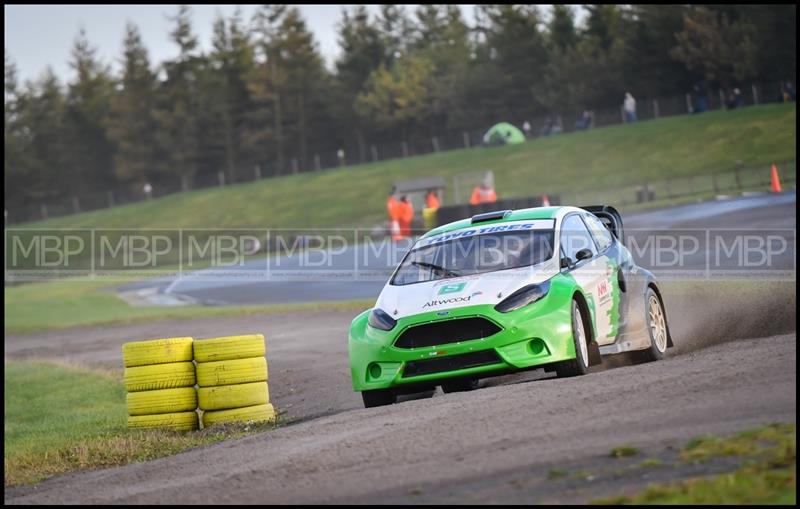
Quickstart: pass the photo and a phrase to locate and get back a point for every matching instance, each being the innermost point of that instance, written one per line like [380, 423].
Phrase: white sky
[41, 35]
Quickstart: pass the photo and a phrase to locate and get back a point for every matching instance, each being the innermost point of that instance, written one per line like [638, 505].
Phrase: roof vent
[490, 216]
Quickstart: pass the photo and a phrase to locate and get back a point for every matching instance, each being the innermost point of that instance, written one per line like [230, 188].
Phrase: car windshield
[475, 254]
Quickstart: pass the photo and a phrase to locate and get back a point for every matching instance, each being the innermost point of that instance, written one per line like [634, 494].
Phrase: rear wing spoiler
[609, 216]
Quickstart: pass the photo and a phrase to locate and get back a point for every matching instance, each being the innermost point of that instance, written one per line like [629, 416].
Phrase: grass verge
[354, 196]
[767, 475]
[63, 304]
[61, 418]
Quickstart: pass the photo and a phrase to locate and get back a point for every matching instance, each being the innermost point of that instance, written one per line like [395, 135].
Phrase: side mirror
[566, 262]
[583, 254]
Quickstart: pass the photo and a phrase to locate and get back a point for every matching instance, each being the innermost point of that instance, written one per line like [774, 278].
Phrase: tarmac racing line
[728, 217]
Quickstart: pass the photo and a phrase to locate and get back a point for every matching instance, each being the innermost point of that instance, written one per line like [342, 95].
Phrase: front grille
[446, 331]
[451, 363]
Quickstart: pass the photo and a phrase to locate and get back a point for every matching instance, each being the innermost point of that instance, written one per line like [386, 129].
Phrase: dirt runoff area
[733, 367]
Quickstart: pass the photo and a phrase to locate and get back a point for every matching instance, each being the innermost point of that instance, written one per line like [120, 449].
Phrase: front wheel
[656, 327]
[378, 397]
[580, 364]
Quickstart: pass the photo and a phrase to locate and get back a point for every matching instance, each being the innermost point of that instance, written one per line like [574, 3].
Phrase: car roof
[516, 215]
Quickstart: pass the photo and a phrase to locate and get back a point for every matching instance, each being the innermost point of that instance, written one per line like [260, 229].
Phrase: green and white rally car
[550, 287]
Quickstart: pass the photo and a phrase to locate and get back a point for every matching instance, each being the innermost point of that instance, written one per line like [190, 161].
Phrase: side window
[575, 236]
[601, 234]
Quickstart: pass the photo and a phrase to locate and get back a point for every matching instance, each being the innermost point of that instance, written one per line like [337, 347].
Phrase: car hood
[456, 292]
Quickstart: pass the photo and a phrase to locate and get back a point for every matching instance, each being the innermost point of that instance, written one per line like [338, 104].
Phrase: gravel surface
[465, 447]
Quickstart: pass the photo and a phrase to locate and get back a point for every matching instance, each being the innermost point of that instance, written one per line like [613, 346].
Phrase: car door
[608, 250]
[594, 275]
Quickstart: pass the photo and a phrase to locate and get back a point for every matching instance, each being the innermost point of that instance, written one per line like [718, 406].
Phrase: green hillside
[591, 160]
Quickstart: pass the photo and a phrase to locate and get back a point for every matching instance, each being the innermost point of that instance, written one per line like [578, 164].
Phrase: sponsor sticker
[452, 288]
[537, 224]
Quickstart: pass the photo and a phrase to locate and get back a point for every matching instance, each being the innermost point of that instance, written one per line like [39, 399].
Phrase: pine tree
[226, 93]
[722, 50]
[561, 28]
[396, 31]
[264, 134]
[41, 137]
[89, 152]
[177, 112]
[517, 44]
[649, 69]
[362, 53]
[132, 124]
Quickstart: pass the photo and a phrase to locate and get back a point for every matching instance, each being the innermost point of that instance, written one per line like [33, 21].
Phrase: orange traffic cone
[545, 201]
[775, 187]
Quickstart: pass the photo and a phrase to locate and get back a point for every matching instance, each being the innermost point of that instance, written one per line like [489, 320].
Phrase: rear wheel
[469, 384]
[656, 328]
[378, 397]
[580, 364]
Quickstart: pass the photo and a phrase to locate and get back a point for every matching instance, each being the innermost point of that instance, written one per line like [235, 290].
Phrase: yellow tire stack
[160, 380]
[232, 376]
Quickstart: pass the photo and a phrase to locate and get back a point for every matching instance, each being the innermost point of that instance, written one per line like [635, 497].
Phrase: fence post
[374, 154]
[465, 135]
[655, 108]
[257, 171]
[755, 93]
[317, 166]
[722, 100]
[435, 144]
[221, 178]
[295, 165]
[76, 204]
[110, 199]
[405, 149]
[43, 210]
[688, 103]
[184, 183]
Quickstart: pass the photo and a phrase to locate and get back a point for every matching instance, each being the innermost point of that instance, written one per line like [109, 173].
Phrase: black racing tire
[463, 385]
[378, 397]
[580, 364]
[656, 328]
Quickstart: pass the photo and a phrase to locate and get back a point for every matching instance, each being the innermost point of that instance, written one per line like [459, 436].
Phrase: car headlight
[380, 319]
[524, 296]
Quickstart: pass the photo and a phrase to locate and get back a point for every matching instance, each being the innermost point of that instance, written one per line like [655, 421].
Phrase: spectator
[735, 99]
[630, 107]
[484, 193]
[702, 101]
[148, 190]
[787, 92]
[393, 210]
[405, 216]
[432, 200]
[585, 122]
[550, 127]
[527, 128]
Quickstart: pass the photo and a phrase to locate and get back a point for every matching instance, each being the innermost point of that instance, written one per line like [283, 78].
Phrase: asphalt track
[362, 270]
[733, 367]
